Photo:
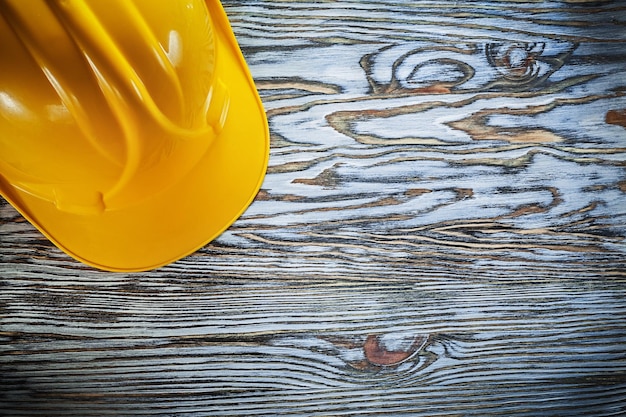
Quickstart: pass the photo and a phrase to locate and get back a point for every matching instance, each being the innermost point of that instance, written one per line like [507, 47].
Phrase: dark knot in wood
[376, 353]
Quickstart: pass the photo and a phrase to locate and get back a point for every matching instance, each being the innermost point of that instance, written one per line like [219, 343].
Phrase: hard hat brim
[185, 217]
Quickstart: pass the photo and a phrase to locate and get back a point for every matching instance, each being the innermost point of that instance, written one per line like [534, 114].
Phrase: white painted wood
[441, 232]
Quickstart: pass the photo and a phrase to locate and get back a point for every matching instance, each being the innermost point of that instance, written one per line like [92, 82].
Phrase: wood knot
[391, 351]
[516, 61]
[616, 117]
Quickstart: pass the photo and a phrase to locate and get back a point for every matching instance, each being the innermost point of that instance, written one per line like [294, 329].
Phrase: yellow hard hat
[131, 132]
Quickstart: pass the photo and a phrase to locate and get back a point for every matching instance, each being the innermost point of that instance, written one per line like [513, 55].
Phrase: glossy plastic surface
[131, 133]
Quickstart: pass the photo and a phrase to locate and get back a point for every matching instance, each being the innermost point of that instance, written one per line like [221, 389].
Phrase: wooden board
[441, 232]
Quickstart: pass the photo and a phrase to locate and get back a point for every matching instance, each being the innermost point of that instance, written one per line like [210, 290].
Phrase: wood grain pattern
[441, 232]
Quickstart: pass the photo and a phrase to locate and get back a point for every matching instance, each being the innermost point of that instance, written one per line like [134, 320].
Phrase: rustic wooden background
[441, 232]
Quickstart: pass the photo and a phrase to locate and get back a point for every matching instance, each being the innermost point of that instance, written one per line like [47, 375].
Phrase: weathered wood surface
[441, 232]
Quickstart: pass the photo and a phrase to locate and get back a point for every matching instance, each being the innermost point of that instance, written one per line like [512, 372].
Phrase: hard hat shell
[131, 132]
